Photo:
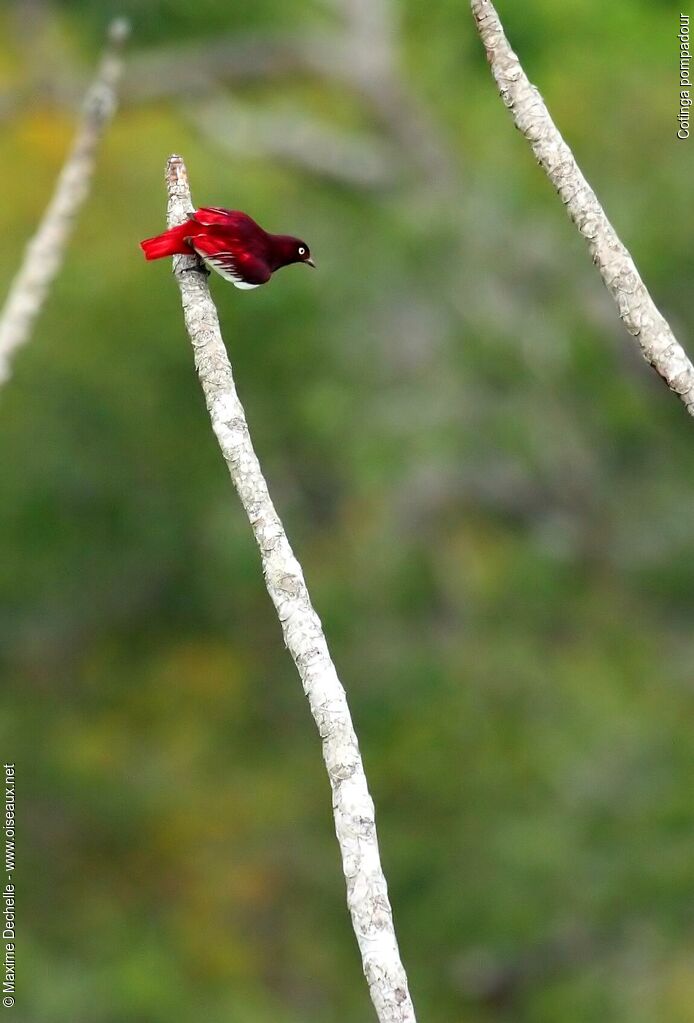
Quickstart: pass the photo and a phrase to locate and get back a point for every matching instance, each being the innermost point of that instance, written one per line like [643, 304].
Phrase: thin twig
[636, 307]
[367, 893]
[44, 253]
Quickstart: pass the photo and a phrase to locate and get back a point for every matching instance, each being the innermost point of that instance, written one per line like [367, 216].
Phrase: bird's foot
[199, 267]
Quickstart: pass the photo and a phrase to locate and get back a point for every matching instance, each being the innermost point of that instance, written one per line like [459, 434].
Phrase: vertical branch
[44, 253]
[636, 308]
[353, 809]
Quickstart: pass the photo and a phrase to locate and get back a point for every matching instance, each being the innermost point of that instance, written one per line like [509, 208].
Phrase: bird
[231, 243]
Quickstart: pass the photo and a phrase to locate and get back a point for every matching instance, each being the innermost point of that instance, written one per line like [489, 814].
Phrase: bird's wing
[212, 216]
[244, 269]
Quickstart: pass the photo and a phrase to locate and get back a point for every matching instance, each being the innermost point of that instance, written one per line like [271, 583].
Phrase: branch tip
[176, 177]
[119, 31]
[176, 172]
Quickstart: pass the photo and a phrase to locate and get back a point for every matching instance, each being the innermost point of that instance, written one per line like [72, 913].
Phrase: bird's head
[291, 250]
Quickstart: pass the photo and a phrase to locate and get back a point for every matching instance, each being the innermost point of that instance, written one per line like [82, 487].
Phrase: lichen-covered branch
[636, 307]
[367, 893]
[44, 253]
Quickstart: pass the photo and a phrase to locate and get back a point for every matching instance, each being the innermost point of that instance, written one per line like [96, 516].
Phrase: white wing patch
[244, 285]
[223, 264]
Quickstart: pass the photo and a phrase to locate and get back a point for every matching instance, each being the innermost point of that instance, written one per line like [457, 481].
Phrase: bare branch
[367, 894]
[44, 253]
[636, 307]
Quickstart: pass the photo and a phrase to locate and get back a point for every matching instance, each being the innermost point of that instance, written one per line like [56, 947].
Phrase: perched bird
[231, 243]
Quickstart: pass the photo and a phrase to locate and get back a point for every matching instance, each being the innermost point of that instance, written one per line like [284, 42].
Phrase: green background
[489, 490]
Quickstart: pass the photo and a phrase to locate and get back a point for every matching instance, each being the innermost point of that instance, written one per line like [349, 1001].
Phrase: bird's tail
[170, 243]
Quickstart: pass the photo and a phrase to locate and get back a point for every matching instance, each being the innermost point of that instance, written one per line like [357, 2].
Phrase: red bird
[231, 243]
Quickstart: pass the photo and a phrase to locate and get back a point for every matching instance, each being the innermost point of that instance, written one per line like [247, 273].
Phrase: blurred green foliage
[490, 494]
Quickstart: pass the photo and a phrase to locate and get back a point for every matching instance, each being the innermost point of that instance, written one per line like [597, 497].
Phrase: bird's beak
[309, 262]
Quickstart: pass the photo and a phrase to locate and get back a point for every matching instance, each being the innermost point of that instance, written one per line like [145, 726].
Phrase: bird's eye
[302, 250]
